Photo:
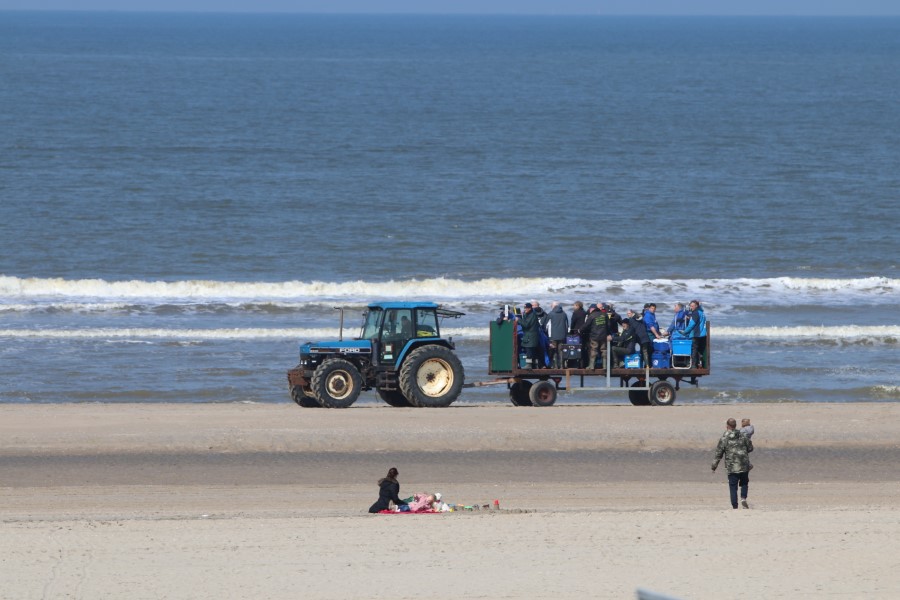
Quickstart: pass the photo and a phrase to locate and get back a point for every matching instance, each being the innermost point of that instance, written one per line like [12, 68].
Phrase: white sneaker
[744, 503]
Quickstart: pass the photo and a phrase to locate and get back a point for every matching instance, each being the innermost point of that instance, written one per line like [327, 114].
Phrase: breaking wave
[824, 335]
[781, 291]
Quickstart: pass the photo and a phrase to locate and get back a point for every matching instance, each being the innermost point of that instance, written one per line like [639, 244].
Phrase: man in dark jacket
[640, 332]
[615, 320]
[624, 344]
[531, 337]
[557, 326]
[579, 316]
[597, 330]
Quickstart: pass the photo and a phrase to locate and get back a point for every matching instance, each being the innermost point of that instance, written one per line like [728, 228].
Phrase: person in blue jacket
[696, 329]
[650, 320]
[679, 322]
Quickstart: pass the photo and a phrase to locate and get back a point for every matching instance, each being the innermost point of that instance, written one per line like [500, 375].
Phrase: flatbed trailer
[540, 387]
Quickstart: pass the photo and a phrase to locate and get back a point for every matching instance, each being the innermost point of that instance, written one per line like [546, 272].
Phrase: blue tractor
[399, 352]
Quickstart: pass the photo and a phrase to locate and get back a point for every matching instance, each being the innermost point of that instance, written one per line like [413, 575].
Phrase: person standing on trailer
[696, 329]
[531, 335]
[579, 316]
[615, 319]
[640, 332]
[650, 320]
[679, 321]
[539, 312]
[597, 328]
[557, 328]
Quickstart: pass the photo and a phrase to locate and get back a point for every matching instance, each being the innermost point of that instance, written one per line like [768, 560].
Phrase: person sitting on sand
[388, 491]
[423, 502]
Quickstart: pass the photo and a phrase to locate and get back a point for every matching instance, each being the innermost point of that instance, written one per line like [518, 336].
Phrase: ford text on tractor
[399, 352]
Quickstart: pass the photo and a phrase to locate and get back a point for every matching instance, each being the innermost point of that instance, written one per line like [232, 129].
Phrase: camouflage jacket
[736, 448]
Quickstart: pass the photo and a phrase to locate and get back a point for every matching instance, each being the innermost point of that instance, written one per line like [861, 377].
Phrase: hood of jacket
[557, 309]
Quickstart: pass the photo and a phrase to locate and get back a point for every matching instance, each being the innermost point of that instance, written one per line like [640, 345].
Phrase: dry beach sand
[269, 501]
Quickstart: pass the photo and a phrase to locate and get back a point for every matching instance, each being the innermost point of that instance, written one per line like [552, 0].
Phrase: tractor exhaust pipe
[341, 334]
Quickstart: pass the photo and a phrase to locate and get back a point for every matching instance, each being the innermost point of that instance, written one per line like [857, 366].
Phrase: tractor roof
[444, 312]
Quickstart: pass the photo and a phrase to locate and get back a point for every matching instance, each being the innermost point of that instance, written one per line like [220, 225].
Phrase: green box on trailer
[503, 335]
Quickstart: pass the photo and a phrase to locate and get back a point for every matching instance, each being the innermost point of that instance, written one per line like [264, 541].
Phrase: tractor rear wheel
[518, 393]
[336, 383]
[394, 398]
[302, 399]
[431, 377]
[542, 393]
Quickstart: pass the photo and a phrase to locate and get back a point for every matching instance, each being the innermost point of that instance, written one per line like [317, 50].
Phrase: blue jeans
[733, 480]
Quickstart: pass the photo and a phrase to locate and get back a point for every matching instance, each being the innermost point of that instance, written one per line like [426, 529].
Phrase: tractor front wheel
[431, 377]
[336, 383]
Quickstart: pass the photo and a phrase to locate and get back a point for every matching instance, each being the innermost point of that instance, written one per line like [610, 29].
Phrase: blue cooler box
[682, 346]
[661, 347]
[633, 361]
[660, 360]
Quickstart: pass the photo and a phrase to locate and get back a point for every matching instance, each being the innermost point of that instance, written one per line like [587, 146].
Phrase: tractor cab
[391, 326]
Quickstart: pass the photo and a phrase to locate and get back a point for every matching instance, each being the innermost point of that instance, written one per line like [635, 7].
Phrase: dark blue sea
[186, 198]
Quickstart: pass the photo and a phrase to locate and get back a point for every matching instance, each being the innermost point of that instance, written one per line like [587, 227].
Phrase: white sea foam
[778, 291]
[886, 334]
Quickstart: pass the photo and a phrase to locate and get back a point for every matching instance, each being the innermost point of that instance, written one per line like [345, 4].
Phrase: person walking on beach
[388, 491]
[735, 447]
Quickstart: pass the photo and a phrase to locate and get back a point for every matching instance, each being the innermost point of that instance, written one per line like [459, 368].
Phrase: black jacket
[615, 322]
[596, 326]
[388, 489]
[577, 320]
[626, 339]
[640, 331]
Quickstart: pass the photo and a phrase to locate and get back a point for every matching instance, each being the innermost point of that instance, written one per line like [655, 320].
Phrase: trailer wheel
[662, 393]
[518, 393]
[336, 383]
[394, 397]
[639, 397]
[543, 393]
[302, 399]
[432, 377]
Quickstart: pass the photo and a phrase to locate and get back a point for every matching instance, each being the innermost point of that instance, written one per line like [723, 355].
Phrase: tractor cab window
[372, 324]
[398, 324]
[426, 323]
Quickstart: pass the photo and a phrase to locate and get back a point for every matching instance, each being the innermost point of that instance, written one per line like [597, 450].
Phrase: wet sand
[252, 501]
